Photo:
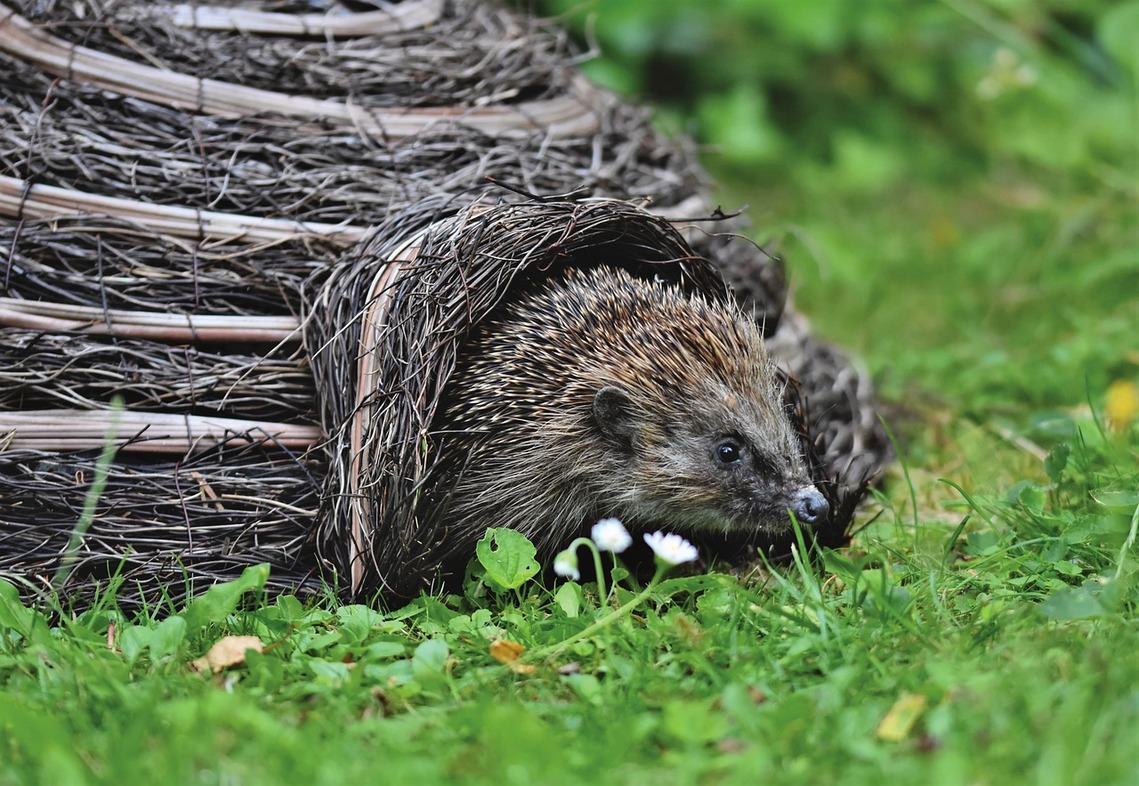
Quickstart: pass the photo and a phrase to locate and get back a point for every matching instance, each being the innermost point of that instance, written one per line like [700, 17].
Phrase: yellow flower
[1122, 404]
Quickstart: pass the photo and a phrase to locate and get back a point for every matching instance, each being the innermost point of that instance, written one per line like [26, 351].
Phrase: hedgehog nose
[809, 506]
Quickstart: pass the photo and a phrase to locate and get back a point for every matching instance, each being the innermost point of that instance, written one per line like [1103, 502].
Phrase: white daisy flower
[671, 549]
[565, 564]
[611, 535]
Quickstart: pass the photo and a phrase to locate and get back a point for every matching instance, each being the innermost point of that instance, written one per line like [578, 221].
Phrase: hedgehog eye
[728, 451]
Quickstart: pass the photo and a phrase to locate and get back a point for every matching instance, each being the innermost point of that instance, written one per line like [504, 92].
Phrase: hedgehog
[602, 394]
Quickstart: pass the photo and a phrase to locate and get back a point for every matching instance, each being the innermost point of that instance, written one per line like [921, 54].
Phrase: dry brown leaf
[505, 651]
[899, 720]
[226, 652]
[508, 653]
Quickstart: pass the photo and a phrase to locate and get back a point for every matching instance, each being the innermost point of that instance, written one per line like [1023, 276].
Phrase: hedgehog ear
[614, 413]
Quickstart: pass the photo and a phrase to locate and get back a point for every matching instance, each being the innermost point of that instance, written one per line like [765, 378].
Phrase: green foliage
[507, 557]
[957, 180]
[981, 652]
[877, 92]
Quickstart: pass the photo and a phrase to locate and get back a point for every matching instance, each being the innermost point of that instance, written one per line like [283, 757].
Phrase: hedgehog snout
[810, 506]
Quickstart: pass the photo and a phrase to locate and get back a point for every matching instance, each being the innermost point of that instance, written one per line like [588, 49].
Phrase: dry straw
[268, 230]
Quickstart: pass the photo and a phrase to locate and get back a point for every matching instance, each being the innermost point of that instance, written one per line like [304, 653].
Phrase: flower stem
[602, 589]
[608, 619]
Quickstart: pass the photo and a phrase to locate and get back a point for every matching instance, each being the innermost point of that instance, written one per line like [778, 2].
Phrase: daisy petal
[611, 535]
[671, 549]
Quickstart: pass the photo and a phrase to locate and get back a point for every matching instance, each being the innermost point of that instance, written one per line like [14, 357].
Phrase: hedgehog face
[729, 463]
[757, 485]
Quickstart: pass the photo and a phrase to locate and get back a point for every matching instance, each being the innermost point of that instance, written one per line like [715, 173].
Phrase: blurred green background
[955, 184]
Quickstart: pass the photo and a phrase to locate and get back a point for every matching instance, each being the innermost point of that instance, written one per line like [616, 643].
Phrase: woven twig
[150, 432]
[60, 317]
[20, 200]
[572, 114]
[163, 530]
[407, 15]
[122, 265]
[47, 371]
[472, 55]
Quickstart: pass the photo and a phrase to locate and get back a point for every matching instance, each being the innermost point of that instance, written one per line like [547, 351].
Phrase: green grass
[1011, 631]
[1007, 307]
[982, 629]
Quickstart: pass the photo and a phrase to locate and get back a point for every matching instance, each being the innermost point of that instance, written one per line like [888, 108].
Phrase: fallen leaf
[899, 720]
[226, 652]
[508, 653]
[505, 651]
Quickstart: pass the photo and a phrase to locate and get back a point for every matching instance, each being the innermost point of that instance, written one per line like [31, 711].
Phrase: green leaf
[587, 687]
[429, 662]
[133, 640]
[15, 615]
[1031, 496]
[220, 600]
[383, 650]
[1096, 598]
[1121, 499]
[508, 557]
[1057, 461]
[334, 672]
[569, 598]
[167, 638]
[357, 623]
[694, 721]
[289, 608]
[360, 615]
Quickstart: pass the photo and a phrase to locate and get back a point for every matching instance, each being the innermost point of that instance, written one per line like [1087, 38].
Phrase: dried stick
[408, 15]
[19, 199]
[180, 328]
[149, 432]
